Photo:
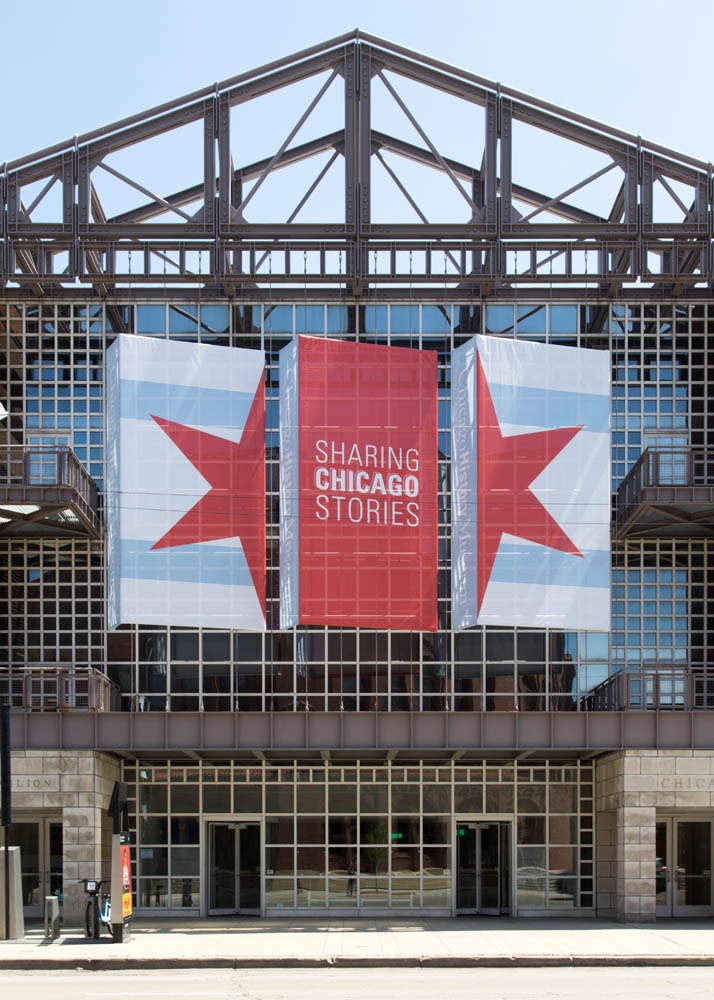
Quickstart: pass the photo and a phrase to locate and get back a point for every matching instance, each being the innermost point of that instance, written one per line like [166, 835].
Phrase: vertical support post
[701, 203]
[364, 157]
[5, 771]
[352, 221]
[225, 173]
[13, 203]
[83, 189]
[630, 192]
[68, 191]
[349, 73]
[3, 204]
[4, 255]
[647, 181]
[209, 164]
[488, 170]
[505, 165]
[364, 162]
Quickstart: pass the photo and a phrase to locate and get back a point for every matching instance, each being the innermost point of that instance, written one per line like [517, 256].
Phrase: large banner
[185, 484]
[358, 485]
[530, 485]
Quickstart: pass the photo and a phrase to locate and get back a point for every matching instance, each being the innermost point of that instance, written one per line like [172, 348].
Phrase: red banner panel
[366, 442]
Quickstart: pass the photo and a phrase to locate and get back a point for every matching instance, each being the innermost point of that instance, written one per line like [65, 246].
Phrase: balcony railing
[54, 482]
[57, 688]
[679, 688]
[667, 478]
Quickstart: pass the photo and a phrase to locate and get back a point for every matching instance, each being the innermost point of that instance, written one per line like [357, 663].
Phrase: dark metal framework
[668, 492]
[46, 493]
[511, 236]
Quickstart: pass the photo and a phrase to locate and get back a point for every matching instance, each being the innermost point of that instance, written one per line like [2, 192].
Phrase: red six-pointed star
[506, 467]
[234, 507]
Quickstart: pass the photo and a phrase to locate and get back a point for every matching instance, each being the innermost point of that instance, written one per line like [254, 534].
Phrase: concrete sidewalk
[251, 943]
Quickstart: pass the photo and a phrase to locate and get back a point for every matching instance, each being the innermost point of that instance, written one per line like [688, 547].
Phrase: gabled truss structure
[210, 236]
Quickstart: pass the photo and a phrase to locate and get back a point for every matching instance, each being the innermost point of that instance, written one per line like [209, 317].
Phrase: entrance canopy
[377, 736]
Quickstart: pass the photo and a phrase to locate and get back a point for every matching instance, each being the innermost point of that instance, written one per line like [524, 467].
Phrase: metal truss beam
[495, 248]
[335, 140]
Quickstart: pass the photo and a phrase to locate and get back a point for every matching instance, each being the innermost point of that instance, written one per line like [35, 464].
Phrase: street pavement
[379, 984]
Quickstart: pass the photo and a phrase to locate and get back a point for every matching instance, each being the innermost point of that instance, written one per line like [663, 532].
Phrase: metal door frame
[43, 850]
[484, 819]
[670, 908]
[228, 819]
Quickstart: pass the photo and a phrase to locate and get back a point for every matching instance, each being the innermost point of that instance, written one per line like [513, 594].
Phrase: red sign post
[121, 887]
[125, 863]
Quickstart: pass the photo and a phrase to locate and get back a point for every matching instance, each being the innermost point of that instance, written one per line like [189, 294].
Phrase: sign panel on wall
[185, 484]
[530, 485]
[358, 485]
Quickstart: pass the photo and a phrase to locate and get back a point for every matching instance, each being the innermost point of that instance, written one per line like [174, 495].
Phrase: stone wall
[630, 787]
[75, 786]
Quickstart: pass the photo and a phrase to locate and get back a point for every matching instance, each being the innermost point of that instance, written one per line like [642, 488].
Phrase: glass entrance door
[483, 881]
[684, 867]
[234, 868]
[249, 868]
[40, 843]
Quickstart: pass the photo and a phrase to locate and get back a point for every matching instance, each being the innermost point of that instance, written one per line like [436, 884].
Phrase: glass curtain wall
[364, 837]
[52, 385]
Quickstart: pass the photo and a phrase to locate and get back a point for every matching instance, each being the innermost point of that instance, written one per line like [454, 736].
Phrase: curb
[356, 962]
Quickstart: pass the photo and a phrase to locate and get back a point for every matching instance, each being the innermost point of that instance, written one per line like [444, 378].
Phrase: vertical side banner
[366, 500]
[289, 487]
[185, 484]
[531, 485]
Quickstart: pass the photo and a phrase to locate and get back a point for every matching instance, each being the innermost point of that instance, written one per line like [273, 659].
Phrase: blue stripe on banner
[523, 404]
[193, 405]
[528, 564]
[197, 564]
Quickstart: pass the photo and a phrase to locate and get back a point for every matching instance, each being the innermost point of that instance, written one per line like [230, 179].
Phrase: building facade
[319, 770]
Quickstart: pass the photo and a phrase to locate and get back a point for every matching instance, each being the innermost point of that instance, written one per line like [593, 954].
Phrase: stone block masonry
[76, 787]
[631, 786]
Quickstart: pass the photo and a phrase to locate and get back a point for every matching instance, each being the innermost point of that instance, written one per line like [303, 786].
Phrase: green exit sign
[397, 836]
[461, 831]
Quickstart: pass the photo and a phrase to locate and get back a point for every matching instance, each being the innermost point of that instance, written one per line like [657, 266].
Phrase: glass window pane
[468, 798]
[153, 830]
[184, 798]
[342, 829]
[279, 798]
[343, 798]
[184, 830]
[279, 830]
[184, 861]
[437, 830]
[374, 830]
[405, 798]
[153, 799]
[437, 798]
[310, 798]
[311, 830]
[374, 798]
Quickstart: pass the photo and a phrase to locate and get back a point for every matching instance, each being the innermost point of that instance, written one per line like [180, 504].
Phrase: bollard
[52, 920]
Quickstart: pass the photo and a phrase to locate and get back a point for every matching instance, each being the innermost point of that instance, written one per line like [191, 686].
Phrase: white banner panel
[185, 491]
[531, 485]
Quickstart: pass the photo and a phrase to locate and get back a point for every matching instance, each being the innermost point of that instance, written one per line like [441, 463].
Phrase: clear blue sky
[642, 65]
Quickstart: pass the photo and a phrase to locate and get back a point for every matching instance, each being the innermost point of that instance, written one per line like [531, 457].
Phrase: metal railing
[32, 473]
[663, 467]
[57, 688]
[670, 688]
